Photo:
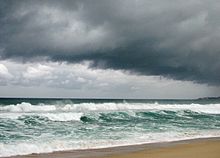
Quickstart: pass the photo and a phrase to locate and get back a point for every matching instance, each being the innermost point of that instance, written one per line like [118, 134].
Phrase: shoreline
[160, 149]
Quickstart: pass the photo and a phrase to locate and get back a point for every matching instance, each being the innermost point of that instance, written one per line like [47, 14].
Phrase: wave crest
[27, 107]
[86, 107]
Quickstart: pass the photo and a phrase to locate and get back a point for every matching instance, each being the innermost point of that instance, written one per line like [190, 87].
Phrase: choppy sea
[46, 125]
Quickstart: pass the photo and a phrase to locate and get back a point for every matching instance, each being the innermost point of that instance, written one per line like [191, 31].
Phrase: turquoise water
[46, 125]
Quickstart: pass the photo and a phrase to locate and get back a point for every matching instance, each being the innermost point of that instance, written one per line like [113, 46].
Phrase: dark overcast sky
[173, 39]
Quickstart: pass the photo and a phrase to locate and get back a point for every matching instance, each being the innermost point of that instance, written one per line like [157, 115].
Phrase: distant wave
[85, 107]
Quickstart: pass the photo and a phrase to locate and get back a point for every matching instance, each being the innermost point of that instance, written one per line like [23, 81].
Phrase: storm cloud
[171, 38]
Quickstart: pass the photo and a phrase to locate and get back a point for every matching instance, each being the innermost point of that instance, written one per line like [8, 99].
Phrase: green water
[46, 125]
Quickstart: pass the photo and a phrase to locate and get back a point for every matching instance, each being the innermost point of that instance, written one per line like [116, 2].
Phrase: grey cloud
[176, 39]
[61, 79]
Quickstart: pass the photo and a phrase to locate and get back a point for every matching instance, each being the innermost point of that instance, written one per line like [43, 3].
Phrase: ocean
[46, 125]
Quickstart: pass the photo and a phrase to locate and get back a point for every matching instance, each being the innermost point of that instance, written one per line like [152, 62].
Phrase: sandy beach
[201, 148]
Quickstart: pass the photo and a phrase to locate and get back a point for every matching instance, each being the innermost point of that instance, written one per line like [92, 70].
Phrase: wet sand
[196, 148]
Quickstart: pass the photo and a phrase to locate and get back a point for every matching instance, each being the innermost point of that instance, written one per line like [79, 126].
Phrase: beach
[201, 148]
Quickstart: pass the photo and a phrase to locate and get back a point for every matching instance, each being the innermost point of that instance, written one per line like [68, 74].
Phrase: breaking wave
[27, 128]
[85, 107]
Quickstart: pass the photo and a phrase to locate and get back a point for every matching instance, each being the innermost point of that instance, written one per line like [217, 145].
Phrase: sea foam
[85, 107]
[25, 148]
